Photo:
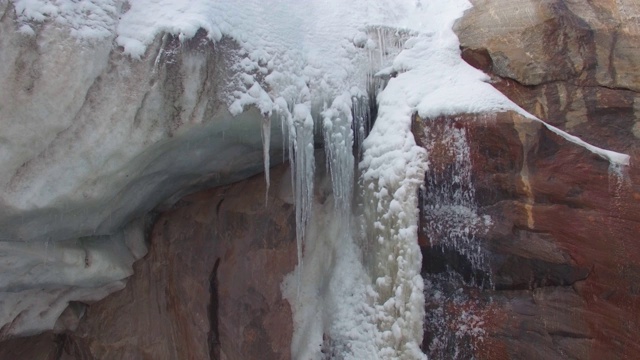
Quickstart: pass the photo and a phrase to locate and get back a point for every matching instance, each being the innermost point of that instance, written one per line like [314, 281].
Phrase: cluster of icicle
[374, 281]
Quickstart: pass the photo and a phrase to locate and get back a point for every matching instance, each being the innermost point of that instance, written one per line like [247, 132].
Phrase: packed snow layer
[40, 278]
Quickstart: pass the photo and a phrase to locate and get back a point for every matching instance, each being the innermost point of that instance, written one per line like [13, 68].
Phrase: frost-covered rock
[91, 140]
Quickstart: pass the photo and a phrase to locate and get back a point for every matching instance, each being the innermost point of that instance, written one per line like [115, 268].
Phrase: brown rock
[40, 347]
[574, 64]
[227, 238]
[535, 42]
[562, 250]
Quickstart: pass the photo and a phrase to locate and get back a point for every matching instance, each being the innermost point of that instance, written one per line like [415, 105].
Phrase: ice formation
[448, 199]
[311, 66]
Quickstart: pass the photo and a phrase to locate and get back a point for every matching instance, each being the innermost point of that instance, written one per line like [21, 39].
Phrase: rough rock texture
[562, 250]
[91, 141]
[208, 289]
[575, 64]
[535, 42]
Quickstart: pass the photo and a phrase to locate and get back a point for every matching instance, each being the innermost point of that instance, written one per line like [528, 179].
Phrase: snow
[85, 19]
[292, 46]
[615, 158]
[313, 45]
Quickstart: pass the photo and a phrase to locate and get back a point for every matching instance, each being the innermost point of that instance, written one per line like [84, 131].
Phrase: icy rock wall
[92, 140]
[447, 198]
[188, 98]
[131, 127]
[111, 133]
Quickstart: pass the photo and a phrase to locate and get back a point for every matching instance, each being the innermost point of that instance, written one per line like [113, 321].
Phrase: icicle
[361, 121]
[301, 157]
[266, 142]
[380, 45]
[338, 137]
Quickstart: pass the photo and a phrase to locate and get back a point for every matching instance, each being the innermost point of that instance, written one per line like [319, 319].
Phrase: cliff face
[558, 257]
[554, 272]
[573, 64]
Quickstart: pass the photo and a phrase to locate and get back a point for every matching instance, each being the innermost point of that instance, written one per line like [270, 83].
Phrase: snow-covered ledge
[91, 140]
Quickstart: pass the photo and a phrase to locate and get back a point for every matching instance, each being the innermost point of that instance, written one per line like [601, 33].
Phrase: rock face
[208, 289]
[559, 256]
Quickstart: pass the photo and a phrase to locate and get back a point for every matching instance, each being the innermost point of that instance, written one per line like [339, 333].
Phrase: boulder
[571, 63]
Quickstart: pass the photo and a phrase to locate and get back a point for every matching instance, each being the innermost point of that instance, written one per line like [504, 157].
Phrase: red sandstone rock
[563, 249]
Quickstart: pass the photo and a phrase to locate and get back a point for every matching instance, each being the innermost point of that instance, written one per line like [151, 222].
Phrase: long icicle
[301, 155]
[266, 143]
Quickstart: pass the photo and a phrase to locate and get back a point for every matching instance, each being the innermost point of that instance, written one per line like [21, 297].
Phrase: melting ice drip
[448, 200]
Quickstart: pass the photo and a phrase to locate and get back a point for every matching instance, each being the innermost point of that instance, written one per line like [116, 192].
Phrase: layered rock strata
[574, 64]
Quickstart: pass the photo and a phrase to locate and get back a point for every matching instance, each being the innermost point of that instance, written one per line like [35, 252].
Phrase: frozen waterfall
[341, 79]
